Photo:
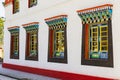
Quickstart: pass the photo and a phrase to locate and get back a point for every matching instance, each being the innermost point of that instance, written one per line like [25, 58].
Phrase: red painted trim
[52, 73]
[13, 27]
[28, 3]
[12, 45]
[31, 23]
[27, 44]
[8, 2]
[55, 17]
[51, 43]
[86, 41]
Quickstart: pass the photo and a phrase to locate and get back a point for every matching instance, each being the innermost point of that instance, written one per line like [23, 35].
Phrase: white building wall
[46, 9]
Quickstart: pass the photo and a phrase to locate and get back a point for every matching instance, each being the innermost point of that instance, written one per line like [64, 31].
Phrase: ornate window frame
[16, 5]
[97, 49]
[14, 42]
[32, 3]
[31, 40]
[57, 45]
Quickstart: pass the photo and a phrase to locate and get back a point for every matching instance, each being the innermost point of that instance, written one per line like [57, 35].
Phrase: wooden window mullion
[86, 41]
[12, 46]
[51, 43]
[28, 45]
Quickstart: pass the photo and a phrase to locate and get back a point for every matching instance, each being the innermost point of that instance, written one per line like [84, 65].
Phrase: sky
[2, 11]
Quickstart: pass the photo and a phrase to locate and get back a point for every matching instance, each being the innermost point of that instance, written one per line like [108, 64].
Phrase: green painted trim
[57, 23]
[31, 27]
[12, 31]
[96, 16]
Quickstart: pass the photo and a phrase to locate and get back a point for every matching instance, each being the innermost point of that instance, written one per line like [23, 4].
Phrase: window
[57, 39]
[98, 41]
[15, 6]
[14, 43]
[104, 38]
[32, 3]
[59, 44]
[31, 41]
[97, 36]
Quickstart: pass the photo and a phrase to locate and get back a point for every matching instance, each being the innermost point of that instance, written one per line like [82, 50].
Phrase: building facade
[65, 38]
